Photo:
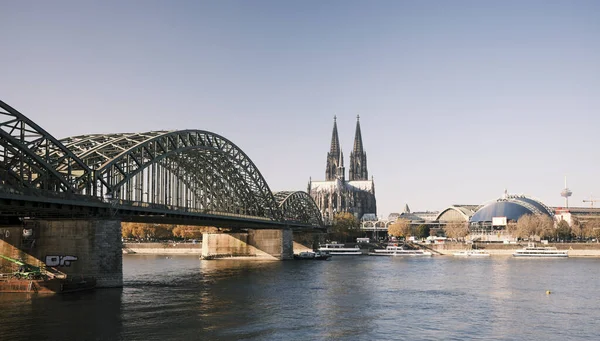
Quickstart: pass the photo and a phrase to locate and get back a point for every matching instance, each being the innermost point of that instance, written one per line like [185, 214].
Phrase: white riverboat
[394, 250]
[336, 249]
[535, 251]
[472, 253]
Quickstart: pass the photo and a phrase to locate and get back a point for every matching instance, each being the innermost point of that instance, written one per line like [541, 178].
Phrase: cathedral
[335, 194]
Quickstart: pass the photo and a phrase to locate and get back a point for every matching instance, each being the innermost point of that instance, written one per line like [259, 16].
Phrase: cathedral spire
[358, 145]
[335, 141]
[333, 156]
[341, 171]
[358, 157]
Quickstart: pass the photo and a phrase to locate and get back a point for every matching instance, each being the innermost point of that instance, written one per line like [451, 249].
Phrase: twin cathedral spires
[335, 158]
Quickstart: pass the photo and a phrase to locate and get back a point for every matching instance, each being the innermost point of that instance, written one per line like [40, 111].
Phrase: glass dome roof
[511, 207]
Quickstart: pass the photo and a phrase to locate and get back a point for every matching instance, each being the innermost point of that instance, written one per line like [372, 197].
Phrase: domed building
[507, 209]
[456, 214]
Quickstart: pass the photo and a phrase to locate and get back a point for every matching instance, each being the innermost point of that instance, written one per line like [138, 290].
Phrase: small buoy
[548, 292]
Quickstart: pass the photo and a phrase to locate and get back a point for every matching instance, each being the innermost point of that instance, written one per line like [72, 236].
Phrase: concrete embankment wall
[575, 249]
[163, 248]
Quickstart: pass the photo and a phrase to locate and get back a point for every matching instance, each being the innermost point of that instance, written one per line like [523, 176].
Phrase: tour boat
[310, 255]
[535, 251]
[336, 249]
[393, 250]
[472, 253]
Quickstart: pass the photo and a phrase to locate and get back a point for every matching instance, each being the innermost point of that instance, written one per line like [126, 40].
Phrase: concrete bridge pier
[264, 244]
[308, 240]
[89, 248]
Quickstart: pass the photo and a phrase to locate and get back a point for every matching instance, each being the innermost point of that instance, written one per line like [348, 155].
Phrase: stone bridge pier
[266, 244]
[89, 248]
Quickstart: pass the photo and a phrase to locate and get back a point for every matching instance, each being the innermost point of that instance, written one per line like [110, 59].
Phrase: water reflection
[354, 298]
[68, 317]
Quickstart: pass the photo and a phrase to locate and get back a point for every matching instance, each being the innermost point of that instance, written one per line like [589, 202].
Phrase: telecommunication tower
[566, 193]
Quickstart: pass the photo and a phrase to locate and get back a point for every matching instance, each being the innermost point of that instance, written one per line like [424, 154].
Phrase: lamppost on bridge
[108, 197]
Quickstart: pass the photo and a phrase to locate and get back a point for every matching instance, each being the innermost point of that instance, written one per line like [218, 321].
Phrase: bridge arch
[193, 169]
[32, 158]
[299, 206]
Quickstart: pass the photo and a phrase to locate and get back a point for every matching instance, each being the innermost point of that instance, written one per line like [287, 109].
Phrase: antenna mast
[566, 193]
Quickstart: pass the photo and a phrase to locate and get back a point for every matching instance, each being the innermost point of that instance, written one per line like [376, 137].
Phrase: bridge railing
[48, 194]
[126, 204]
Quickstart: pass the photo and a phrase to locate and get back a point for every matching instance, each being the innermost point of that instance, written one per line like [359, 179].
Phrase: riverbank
[575, 249]
[163, 248]
[447, 249]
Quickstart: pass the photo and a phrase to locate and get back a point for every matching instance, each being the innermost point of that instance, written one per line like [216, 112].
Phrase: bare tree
[512, 228]
[546, 227]
[592, 229]
[576, 228]
[400, 228]
[188, 232]
[345, 226]
[534, 225]
[456, 230]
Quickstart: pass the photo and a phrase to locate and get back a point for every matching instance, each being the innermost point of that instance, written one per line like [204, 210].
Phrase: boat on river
[472, 253]
[337, 249]
[310, 255]
[394, 250]
[536, 251]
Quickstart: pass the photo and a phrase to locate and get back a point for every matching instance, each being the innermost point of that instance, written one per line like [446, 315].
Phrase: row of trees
[528, 226]
[583, 230]
[143, 231]
[403, 228]
[345, 227]
[543, 227]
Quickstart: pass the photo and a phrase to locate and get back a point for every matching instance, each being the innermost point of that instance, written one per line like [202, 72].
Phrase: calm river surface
[346, 298]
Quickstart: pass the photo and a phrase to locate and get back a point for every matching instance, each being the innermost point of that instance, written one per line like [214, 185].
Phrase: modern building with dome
[507, 209]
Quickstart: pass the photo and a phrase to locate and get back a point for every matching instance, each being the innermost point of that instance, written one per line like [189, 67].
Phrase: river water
[346, 298]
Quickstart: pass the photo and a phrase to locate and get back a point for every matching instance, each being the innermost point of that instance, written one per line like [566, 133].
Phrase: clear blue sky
[458, 99]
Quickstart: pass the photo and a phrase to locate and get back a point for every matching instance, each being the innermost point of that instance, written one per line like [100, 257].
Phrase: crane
[591, 201]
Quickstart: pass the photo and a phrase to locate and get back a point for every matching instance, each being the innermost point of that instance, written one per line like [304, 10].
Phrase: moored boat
[310, 255]
[336, 249]
[394, 250]
[536, 252]
[472, 253]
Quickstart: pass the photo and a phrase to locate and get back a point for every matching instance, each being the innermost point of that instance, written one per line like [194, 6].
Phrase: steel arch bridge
[193, 171]
[299, 206]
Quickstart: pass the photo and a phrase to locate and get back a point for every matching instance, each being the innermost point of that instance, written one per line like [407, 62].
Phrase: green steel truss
[30, 158]
[191, 170]
[299, 206]
[194, 169]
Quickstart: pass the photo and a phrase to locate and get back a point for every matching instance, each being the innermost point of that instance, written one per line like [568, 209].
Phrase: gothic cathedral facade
[335, 194]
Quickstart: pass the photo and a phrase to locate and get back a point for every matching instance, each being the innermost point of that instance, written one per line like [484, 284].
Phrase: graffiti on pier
[60, 260]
